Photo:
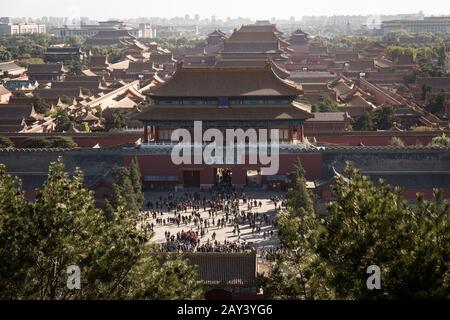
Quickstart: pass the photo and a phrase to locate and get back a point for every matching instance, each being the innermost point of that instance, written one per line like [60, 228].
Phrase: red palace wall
[88, 140]
[372, 138]
[312, 163]
[410, 194]
[161, 165]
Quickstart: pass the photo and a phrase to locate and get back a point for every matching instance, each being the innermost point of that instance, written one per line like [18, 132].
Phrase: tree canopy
[367, 224]
[6, 142]
[63, 227]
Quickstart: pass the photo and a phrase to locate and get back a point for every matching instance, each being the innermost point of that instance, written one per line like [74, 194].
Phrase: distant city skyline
[253, 9]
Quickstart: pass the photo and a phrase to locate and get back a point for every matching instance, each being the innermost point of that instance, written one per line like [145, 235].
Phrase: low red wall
[87, 140]
[354, 138]
[373, 138]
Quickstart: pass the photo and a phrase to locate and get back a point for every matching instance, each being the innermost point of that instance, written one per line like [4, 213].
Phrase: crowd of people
[203, 217]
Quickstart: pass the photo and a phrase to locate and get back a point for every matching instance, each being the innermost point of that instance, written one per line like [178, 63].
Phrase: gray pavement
[254, 238]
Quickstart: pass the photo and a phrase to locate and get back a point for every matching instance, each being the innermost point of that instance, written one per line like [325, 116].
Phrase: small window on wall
[234, 101]
[223, 102]
[253, 101]
[211, 101]
[193, 101]
[168, 101]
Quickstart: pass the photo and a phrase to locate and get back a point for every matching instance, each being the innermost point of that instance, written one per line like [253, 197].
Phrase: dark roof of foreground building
[161, 58]
[140, 67]
[259, 28]
[83, 79]
[73, 84]
[48, 68]
[237, 269]
[256, 63]
[3, 90]
[98, 62]
[292, 111]
[10, 66]
[433, 81]
[224, 82]
[56, 93]
[262, 36]
[12, 117]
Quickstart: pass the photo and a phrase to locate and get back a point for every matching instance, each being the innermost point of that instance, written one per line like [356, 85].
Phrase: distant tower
[349, 30]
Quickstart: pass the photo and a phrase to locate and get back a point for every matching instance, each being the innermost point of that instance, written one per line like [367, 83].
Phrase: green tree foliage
[17, 226]
[28, 46]
[115, 54]
[368, 225]
[76, 66]
[425, 91]
[374, 225]
[42, 142]
[383, 118]
[325, 105]
[298, 197]
[63, 122]
[40, 106]
[364, 122]
[63, 142]
[66, 100]
[393, 38]
[441, 141]
[127, 188]
[430, 61]
[25, 46]
[442, 59]
[6, 142]
[117, 120]
[74, 41]
[25, 62]
[63, 227]
[395, 52]
[135, 177]
[36, 143]
[297, 271]
[5, 55]
[422, 128]
[437, 103]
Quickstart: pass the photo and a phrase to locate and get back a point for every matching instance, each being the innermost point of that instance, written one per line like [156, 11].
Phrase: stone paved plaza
[247, 236]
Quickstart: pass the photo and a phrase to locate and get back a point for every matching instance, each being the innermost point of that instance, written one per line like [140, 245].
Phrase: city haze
[253, 9]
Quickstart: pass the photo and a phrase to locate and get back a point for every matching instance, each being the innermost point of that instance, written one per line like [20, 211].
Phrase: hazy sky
[255, 9]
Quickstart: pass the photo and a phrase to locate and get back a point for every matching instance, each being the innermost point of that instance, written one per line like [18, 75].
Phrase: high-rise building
[427, 25]
[8, 28]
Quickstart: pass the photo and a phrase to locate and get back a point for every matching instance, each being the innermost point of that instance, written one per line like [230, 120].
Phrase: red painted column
[156, 134]
[300, 133]
[145, 134]
[152, 133]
